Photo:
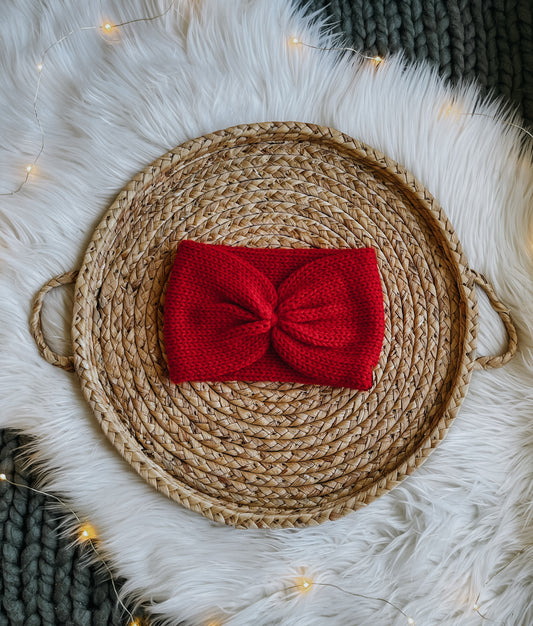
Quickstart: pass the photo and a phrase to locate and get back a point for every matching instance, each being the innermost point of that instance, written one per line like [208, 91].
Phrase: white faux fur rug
[457, 532]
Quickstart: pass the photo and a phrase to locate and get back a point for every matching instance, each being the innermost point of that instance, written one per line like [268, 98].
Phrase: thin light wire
[504, 122]
[483, 617]
[499, 571]
[352, 593]
[297, 42]
[41, 67]
[81, 523]
[378, 60]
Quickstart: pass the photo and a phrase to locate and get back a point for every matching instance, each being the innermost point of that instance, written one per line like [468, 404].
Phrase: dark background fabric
[489, 41]
[44, 580]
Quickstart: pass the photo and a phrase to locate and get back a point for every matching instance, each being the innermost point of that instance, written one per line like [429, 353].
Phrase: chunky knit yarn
[302, 315]
[489, 41]
[45, 579]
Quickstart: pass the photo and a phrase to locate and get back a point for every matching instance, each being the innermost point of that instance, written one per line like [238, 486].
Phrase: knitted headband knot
[312, 316]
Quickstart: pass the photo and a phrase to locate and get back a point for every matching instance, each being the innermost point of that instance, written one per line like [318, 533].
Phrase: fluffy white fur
[462, 526]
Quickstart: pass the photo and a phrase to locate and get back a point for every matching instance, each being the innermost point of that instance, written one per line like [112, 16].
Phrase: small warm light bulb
[29, 168]
[295, 40]
[305, 584]
[87, 532]
[476, 607]
[377, 60]
[3, 477]
[410, 620]
[135, 623]
[450, 109]
[110, 32]
[40, 67]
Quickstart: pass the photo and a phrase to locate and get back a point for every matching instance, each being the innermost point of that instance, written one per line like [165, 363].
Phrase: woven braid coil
[274, 454]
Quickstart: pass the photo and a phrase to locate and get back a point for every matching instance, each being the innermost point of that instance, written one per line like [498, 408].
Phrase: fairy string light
[453, 110]
[477, 607]
[298, 42]
[107, 28]
[378, 60]
[86, 535]
[305, 585]
[506, 122]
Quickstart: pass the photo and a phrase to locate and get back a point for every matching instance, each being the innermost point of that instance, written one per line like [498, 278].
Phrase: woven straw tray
[269, 454]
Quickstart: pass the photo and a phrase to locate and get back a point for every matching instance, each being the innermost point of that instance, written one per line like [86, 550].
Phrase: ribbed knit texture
[490, 41]
[274, 314]
[43, 579]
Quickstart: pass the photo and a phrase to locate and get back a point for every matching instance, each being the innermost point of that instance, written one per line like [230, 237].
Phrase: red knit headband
[301, 315]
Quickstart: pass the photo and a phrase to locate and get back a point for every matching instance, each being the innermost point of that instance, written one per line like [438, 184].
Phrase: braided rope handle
[36, 327]
[67, 362]
[491, 362]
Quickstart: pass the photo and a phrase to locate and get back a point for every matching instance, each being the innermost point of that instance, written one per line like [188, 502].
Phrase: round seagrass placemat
[268, 454]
